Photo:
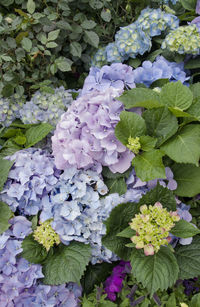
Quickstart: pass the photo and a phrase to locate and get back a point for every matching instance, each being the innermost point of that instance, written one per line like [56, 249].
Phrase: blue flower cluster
[31, 177]
[16, 274]
[159, 69]
[116, 75]
[170, 1]
[9, 110]
[19, 285]
[135, 38]
[46, 108]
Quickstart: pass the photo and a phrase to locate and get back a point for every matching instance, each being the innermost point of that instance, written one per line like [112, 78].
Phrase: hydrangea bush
[108, 207]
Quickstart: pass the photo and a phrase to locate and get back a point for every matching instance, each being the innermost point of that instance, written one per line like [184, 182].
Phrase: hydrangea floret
[134, 144]
[9, 109]
[183, 40]
[152, 227]
[46, 235]
[46, 108]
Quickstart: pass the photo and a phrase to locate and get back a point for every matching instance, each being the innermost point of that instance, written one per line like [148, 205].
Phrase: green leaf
[36, 134]
[134, 62]
[33, 251]
[88, 24]
[179, 113]
[20, 139]
[5, 166]
[67, 264]
[153, 55]
[188, 259]
[75, 49]
[183, 229]
[130, 124]
[126, 233]
[26, 44]
[160, 194]
[95, 275]
[63, 64]
[193, 64]
[193, 111]
[159, 83]
[117, 185]
[159, 271]
[140, 97]
[157, 123]
[118, 220]
[51, 45]
[106, 15]
[64, 25]
[5, 215]
[184, 147]
[187, 177]
[147, 142]
[195, 89]
[108, 174]
[195, 302]
[189, 4]
[92, 38]
[149, 165]
[176, 95]
[53, 35]
[31, 6]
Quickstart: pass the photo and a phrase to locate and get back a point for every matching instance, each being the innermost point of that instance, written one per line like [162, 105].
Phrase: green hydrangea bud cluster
[152, 227]
[45, 235]
[184, 40]
[134, 144]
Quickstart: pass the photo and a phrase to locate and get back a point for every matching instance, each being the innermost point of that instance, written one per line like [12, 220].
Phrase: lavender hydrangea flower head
[32, 176]
[85, 137]
[159, 69]
[16, 273]
[45, 107]
[196, 21]
[198, 7]
[116, 75]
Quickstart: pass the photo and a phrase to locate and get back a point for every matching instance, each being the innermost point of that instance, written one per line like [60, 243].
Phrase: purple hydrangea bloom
[85, 136]
[197, 20]
[198, 7]
[116, 75]
[113, 284]
[159, 69]
[16, 273]
[192, 286]
[32, 176]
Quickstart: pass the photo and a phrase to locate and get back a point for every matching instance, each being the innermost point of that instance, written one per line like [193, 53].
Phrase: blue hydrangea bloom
[116, 75]
[99, 58]
[32, 176]
[9, 109]
[112, 54]
[46, 108]
[159, 69]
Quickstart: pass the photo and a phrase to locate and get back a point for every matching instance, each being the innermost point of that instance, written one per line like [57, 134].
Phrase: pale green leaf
[195, 89]
[67, 264]
[75, 49]
[51, 45]
[106, 15]
[147, 142]
[31, 6]
[130, 124]
[149, 165]
[189, 4]
[92, 38]
[159, 271]
[184, 147]
[88, 24]
[26, 44]
[157, 123]
[176, 95]
[126, 233]
[53, 35]
[195, 302]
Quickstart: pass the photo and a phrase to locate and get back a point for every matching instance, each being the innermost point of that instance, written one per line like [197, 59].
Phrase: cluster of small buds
[134, 144]
[9, 110]
[45, 235]
[177, 40]
[45, 107]
[152, 227]
[135, 38]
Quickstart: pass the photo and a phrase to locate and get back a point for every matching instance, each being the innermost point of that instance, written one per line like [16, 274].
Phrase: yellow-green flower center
[46, 235]
[134, 144]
